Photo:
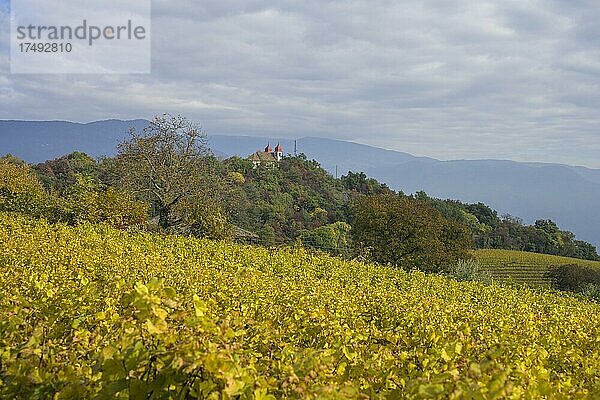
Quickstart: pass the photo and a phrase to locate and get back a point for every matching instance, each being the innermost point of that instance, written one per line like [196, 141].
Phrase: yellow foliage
[236, 178]
[18, 179]
[82, 315]
[114, 207]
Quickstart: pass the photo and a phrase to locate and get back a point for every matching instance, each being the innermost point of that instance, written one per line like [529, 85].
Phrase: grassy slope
[247, 321]
[524, 267]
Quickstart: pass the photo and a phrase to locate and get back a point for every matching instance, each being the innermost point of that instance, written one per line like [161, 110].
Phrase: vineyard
[522, 267]
[93, 312]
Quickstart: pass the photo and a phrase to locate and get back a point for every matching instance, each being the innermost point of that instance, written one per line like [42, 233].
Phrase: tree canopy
[408, 233]
[169, 165]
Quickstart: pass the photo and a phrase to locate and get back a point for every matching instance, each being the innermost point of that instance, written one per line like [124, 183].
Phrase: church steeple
[278, 152]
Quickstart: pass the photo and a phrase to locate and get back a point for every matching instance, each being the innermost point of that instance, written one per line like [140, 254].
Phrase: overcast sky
[448, 79]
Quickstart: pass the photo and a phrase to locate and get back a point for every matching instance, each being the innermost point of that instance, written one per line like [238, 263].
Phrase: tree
[21, 192]
[202, 219]
[408, 233]
[360, 183]
[332, 238]
[484, 214]
[88, 201]
[10, 159]
[169, 166]
[553, 233]
[296, 196]
[59, 174]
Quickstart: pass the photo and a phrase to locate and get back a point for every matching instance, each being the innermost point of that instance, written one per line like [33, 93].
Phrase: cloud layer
[487, 79]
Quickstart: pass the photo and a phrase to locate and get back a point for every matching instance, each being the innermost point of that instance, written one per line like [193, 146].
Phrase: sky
[457, 79]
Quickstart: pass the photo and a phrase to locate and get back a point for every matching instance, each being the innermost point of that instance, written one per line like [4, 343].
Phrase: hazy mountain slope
[589, 174]
[37, 141]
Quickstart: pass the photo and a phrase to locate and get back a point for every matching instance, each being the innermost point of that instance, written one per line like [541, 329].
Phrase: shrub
[591, 291]
[82, 317]
[574, 277]
[470, 270]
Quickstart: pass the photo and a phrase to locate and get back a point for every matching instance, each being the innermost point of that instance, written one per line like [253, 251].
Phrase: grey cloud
[463, 79]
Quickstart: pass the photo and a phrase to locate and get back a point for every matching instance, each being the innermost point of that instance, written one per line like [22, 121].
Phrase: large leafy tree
[20, 190]
[408, 233]
[169, 165]
[60, 174]
[359, 182]
[332, 238]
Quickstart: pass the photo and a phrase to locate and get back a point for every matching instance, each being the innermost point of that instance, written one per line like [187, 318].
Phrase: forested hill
[298, 200]
[532, 191]
[565, 194]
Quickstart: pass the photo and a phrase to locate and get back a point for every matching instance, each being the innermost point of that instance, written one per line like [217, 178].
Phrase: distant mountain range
[569, 195]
